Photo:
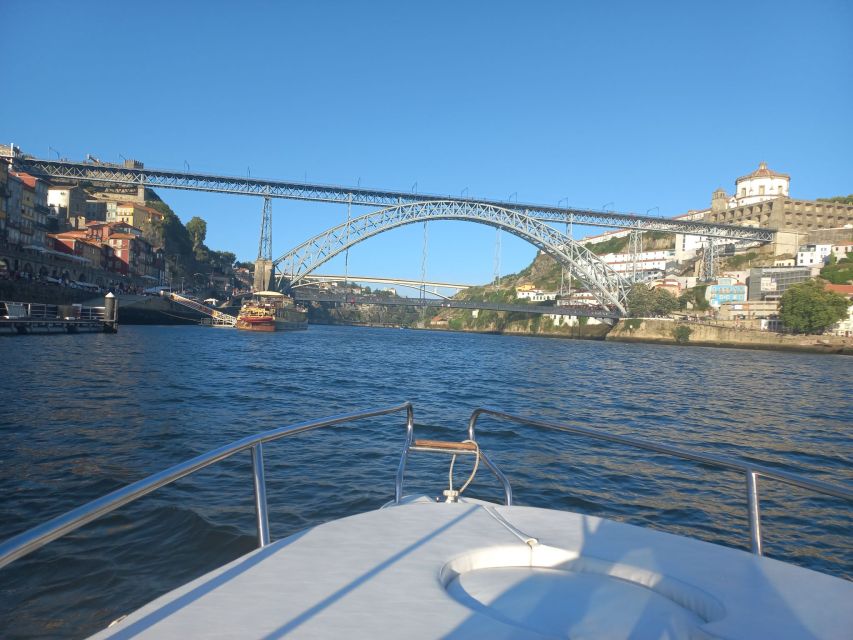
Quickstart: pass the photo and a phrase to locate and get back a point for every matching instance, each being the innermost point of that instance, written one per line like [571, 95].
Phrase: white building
[650, 264]
[813, 254]
[686, 246]
[536, 295]
[760, 185]
[842, 250]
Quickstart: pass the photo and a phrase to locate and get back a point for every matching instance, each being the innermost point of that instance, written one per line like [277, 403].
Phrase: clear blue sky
[642, 104]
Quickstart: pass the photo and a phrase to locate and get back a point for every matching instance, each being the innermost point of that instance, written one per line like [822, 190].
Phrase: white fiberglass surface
[560, 603]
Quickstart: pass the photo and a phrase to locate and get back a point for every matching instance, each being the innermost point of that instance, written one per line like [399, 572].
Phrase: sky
[639, 106]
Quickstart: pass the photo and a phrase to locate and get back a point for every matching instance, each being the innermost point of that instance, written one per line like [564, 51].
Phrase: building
[725, 290]
[813, 254]
[749, 310]
[15, 189]
[649, 264]
[4, 195]
[843, 327]
[76, 243]
[760, 185]
[604, 237]
[843, 250]
[33, 203]
[672, 285]
[132, 213]
[534, 295]
[66, 204]
[769, 283]
[686, 247]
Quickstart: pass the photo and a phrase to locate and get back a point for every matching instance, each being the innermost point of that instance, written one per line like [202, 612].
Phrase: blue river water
[83, 415]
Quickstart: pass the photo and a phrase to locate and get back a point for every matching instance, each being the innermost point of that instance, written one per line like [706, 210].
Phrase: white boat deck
[469, 570]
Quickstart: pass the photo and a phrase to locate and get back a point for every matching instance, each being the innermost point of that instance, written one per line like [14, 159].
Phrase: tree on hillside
[809, 308]
[197, 228]
[838, 271]
[176, 240]
[650, 303]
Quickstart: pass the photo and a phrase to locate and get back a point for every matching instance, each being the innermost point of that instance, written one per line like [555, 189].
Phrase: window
[761, 190]
[743, 191]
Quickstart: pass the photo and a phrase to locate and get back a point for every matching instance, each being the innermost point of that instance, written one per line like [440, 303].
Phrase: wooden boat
[271, 311]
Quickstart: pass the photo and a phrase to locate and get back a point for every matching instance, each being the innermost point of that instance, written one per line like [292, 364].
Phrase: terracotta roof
[26, 178]
[69, 234]
[763, 172]
[843, 289]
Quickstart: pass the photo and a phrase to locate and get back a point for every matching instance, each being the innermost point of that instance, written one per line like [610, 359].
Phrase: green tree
[197, 228]
[176, 240]
[809, 308]
[838, 271]
[681, 333]
[650, 303]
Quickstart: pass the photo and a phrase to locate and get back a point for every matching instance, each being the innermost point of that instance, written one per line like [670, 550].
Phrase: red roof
[764, 172]
[843, 289]
[26, 178]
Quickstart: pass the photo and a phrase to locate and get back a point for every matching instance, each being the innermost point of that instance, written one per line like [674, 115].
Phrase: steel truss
[117, 174]
[609, 288]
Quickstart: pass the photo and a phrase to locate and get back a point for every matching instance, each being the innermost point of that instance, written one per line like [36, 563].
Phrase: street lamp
[653, 209]
[607, 204]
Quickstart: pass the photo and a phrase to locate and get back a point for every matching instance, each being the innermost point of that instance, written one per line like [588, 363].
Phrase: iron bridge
[394, 301]
[608, 287]
[106, 173]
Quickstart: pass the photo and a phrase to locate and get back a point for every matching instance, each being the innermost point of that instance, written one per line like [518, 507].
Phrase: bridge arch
[609, 288]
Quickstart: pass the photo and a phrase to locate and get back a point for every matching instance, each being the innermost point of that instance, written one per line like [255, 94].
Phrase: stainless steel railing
[35, 538]
[751, 471]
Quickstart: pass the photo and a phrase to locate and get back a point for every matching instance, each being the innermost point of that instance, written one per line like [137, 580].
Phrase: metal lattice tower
[424, 257]
[636, 242]
[265, 243]
[498, 259]
[709, 261]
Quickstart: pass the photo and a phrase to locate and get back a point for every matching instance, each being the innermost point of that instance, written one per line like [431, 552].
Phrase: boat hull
[256, 324]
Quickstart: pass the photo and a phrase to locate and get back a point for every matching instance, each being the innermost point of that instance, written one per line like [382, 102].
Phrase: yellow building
[136, 215]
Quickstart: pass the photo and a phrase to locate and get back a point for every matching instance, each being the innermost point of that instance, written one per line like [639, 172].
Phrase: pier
[30, 317]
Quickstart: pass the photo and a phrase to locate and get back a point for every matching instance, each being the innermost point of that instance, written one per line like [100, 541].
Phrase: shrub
[681, 333]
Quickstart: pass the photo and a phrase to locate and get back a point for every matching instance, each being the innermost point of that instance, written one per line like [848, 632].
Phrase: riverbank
[669, 331]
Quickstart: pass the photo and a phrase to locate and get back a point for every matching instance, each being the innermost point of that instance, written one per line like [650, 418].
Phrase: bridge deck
[117, 174]
[580, 310]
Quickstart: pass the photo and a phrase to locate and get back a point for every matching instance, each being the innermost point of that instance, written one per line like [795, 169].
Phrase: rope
[450, 493]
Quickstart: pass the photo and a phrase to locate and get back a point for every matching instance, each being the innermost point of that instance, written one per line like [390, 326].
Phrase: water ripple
[83, 415]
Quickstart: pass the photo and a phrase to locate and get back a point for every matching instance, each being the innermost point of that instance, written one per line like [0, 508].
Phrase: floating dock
[31, 317]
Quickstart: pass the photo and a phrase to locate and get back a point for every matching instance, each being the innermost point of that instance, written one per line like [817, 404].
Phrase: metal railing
[40, 311]
[35, 538]
[412, 445]
[751, 471]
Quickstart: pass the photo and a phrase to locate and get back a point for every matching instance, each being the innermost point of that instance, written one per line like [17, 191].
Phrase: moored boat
[271, 311]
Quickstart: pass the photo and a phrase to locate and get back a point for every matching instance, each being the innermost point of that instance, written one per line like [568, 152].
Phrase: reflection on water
[82, 415]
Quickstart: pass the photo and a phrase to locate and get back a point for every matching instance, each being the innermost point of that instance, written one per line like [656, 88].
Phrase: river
[82, 415]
